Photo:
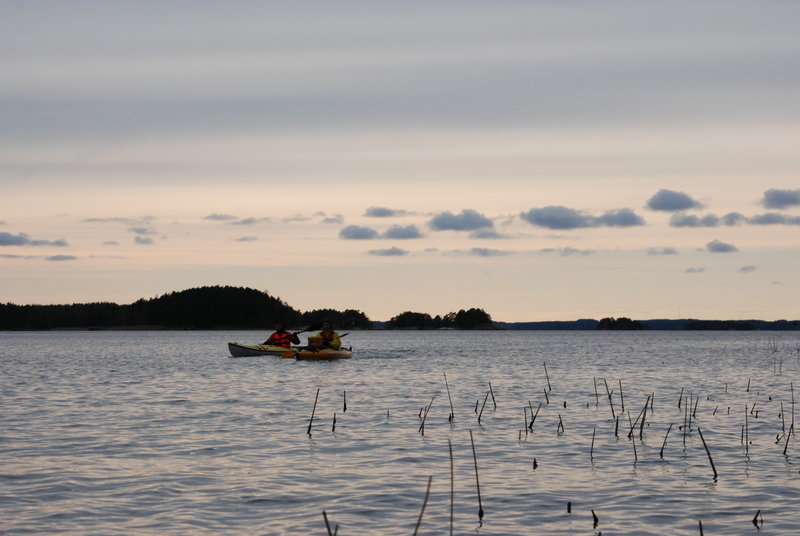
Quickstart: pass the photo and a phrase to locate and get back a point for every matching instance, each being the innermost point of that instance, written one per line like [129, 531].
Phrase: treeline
[216, 307]
[626, 324]
[463, 319]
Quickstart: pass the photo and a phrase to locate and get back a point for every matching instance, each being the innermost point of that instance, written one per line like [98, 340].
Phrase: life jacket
[332, 338]
[281, 339]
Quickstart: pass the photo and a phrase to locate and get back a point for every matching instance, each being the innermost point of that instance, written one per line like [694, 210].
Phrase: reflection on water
[161, 432]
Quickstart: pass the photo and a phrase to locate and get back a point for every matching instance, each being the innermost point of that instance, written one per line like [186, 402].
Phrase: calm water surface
[162, 433]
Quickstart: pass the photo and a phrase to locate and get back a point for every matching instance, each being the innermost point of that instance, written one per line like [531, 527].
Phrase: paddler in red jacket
[281, 337]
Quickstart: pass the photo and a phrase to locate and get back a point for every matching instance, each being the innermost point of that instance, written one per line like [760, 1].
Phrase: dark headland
[226, 307]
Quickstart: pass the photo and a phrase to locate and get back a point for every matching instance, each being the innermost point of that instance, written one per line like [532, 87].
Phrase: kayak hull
[245, 350]
[323, 354]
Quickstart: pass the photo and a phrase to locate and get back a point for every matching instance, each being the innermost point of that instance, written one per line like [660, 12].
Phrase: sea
[420, 432]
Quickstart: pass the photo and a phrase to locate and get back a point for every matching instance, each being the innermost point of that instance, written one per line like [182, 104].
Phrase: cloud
[22, 239]
[670, 201]
[487, 252]
[695, 270]
[356, 232]
[747, 269]
[124, 221]
[383, 212]
[620, 218]
[391, 252]
[143, 240]
[557, 217]
[662, 251]
[336, 219]
[219, 217]
[59, 258]
[567, 251]
[733, 218]
[142, 231]
[468, 220]
[398, 232]
[245, 239]
[251, 221]
[564, 218]
[489, 234]
[781, 199]
[690, 220]
[716, 246]
[110, 243]
[773, 218]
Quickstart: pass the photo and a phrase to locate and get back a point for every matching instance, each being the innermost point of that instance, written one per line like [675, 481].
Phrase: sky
[540, 160]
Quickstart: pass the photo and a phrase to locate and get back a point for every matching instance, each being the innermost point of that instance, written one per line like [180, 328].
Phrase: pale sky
[540, 160]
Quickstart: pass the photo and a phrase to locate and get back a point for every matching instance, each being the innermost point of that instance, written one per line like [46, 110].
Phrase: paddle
[293, 353]
[312, 327]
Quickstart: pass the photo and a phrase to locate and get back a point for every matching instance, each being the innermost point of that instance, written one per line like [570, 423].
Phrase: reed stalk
[483, 406]
[344, 401]
[452, 413]
[596, 396]
[786, 446]
[533, 418]
[546, 375]
[452, 485]
[708, 452]
[327, 524]
[621, 397]
[477, 480]
[610, 400]
[424, 504]
[333, 426]
[311, 420]
[591, 450]
[492, 393]
[664, 444]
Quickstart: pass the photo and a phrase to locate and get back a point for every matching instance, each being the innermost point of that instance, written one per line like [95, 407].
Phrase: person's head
[280, 326]
[327, 326]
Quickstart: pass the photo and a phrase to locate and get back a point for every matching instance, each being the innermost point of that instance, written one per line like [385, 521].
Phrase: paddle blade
[290, 353]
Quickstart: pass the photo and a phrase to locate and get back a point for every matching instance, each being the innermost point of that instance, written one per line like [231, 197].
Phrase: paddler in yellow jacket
[330, 339]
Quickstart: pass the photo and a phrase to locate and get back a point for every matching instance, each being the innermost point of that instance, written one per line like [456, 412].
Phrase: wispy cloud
[245, 239]
[59, 258]
[335, 219]
[773, 218]
[384, 212]
[22, 239]
[781, 199]
[251, 221]
[467, 220]
[143, 240]
[488, 234]
[671, 201]
[695, 270]
[357, 232]
[567, 251]
[391, 252]
[747, 269]
[142, 231]
[662, 251]
[219, 217]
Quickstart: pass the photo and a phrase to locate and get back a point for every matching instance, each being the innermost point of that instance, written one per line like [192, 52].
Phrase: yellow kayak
[322, 354]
